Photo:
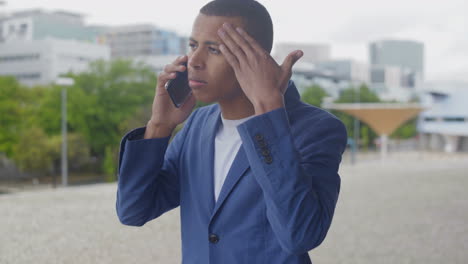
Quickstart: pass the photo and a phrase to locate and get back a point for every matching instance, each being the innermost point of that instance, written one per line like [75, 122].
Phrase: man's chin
[204, 99]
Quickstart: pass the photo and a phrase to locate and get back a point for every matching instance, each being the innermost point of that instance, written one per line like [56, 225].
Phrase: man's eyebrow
[206, 42]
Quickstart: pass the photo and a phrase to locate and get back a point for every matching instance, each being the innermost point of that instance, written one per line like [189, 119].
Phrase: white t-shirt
[227, 144]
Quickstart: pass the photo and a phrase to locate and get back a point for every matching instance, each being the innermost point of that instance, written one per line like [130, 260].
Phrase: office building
[405, 54]
[444, 125]
[313, 53]
[143, 40]
[38, 24]
[350, 70]
[37, 62]
[386, 82]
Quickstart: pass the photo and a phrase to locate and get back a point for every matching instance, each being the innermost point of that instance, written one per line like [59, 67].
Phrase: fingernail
[239, 29]
[221, 32]
[226, 25]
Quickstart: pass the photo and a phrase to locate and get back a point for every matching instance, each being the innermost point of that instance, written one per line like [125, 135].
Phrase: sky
[348, 26]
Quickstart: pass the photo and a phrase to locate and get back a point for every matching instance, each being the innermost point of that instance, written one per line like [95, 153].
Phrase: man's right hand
[165, 116]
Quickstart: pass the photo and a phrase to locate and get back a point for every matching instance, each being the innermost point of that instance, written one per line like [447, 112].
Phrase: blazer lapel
[240, 164]
[237, 170]
[206, 151]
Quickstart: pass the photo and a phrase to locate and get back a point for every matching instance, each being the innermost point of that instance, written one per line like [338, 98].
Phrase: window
[28, 76]
[454, 119]
[19, 57]
[430, 119]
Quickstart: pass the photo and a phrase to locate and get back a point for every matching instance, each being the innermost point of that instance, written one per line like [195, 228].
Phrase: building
[397, 69]
[313, 53]
[405, 54]
[350, 70]
[444, 125]
[143, 40]
[37, 46]
[307, 74]
[37, 62]
[38, 24]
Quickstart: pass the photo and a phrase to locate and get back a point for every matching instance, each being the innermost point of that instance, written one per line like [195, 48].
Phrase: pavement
[413, 208]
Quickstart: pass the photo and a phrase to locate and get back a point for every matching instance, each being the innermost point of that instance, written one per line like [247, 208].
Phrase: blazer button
[268, 160]
[265, 152]
[259, 137]
[213, 238]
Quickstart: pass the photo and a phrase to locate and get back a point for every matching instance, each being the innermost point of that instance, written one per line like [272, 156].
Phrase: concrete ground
[411, 209]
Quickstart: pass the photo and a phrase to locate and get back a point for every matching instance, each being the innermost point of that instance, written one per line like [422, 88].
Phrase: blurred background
[76, 76]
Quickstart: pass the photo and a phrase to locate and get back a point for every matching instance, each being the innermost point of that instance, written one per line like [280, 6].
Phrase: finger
[232, 46]
[231, 58]
[291, 59]
[169, 68]
[181, 59]
[252, 42]
[238, 39]
[164, 77]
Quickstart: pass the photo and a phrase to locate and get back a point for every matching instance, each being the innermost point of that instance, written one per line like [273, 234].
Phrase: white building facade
[131, 41]
[39, 62]
[37, 24]
[350, 70]
[313, 53]
[444, 125]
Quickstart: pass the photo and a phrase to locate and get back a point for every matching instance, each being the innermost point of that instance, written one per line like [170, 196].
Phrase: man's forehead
[205, 28]
[204, 24]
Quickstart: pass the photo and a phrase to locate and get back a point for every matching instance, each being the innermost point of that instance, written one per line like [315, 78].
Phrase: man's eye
[213, 50]
[191, 45]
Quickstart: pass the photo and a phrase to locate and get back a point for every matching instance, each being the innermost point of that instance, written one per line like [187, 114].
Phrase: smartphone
[178, 88]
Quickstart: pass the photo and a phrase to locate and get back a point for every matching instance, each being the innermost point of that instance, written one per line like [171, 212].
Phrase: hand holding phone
[178, 88]
[167, 114]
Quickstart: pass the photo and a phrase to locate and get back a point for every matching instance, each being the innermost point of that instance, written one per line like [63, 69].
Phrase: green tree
[115, 91]
[354, 95]
[314, 95]
[33, 152]
[78, 152]
[13, 102]
[408, 130]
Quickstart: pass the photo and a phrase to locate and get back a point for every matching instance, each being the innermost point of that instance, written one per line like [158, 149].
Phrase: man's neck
[236, 109]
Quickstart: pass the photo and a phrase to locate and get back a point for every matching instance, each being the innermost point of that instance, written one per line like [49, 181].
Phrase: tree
[33, 152]
[314, 95]
[408, 130]
[13, 102]
[115, 91]
[352, 95]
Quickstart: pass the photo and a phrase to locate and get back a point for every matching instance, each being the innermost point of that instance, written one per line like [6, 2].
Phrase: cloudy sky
[348, 26]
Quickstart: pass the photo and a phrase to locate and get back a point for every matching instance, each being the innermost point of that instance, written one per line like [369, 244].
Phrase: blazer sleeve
[148, 178]
[298, 176]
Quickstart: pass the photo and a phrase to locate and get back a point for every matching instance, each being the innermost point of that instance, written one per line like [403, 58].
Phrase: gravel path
[407, 210]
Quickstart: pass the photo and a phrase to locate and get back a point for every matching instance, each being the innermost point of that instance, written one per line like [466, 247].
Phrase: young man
[255, 175]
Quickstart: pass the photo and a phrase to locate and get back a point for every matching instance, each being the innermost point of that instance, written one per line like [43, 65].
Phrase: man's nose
[196, 60]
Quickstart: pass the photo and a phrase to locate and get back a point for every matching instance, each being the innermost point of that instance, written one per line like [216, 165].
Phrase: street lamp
[64, 83]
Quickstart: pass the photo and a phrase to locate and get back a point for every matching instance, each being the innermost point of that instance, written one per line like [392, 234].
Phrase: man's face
[207, 64]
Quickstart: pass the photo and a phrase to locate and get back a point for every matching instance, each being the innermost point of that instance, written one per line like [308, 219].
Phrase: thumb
[291, 59]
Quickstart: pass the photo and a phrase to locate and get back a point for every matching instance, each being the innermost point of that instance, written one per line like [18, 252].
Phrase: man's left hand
[263, 81]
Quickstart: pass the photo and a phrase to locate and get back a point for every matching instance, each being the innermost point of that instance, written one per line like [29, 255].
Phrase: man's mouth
[195, 83]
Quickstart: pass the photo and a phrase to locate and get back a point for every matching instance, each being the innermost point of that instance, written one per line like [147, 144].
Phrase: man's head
[256, 19]
[206, 63]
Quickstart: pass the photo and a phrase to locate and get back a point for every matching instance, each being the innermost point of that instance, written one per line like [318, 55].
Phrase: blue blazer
[277, 201]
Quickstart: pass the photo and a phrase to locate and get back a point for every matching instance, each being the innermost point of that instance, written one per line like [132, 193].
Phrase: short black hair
[256, 17]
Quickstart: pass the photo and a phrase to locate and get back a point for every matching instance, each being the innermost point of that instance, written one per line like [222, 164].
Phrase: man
[255, 175]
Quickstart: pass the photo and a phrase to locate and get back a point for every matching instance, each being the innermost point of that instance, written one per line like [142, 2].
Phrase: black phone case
[178, 89]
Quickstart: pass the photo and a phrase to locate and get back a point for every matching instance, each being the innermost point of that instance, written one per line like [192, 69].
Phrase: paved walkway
[407, 210]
